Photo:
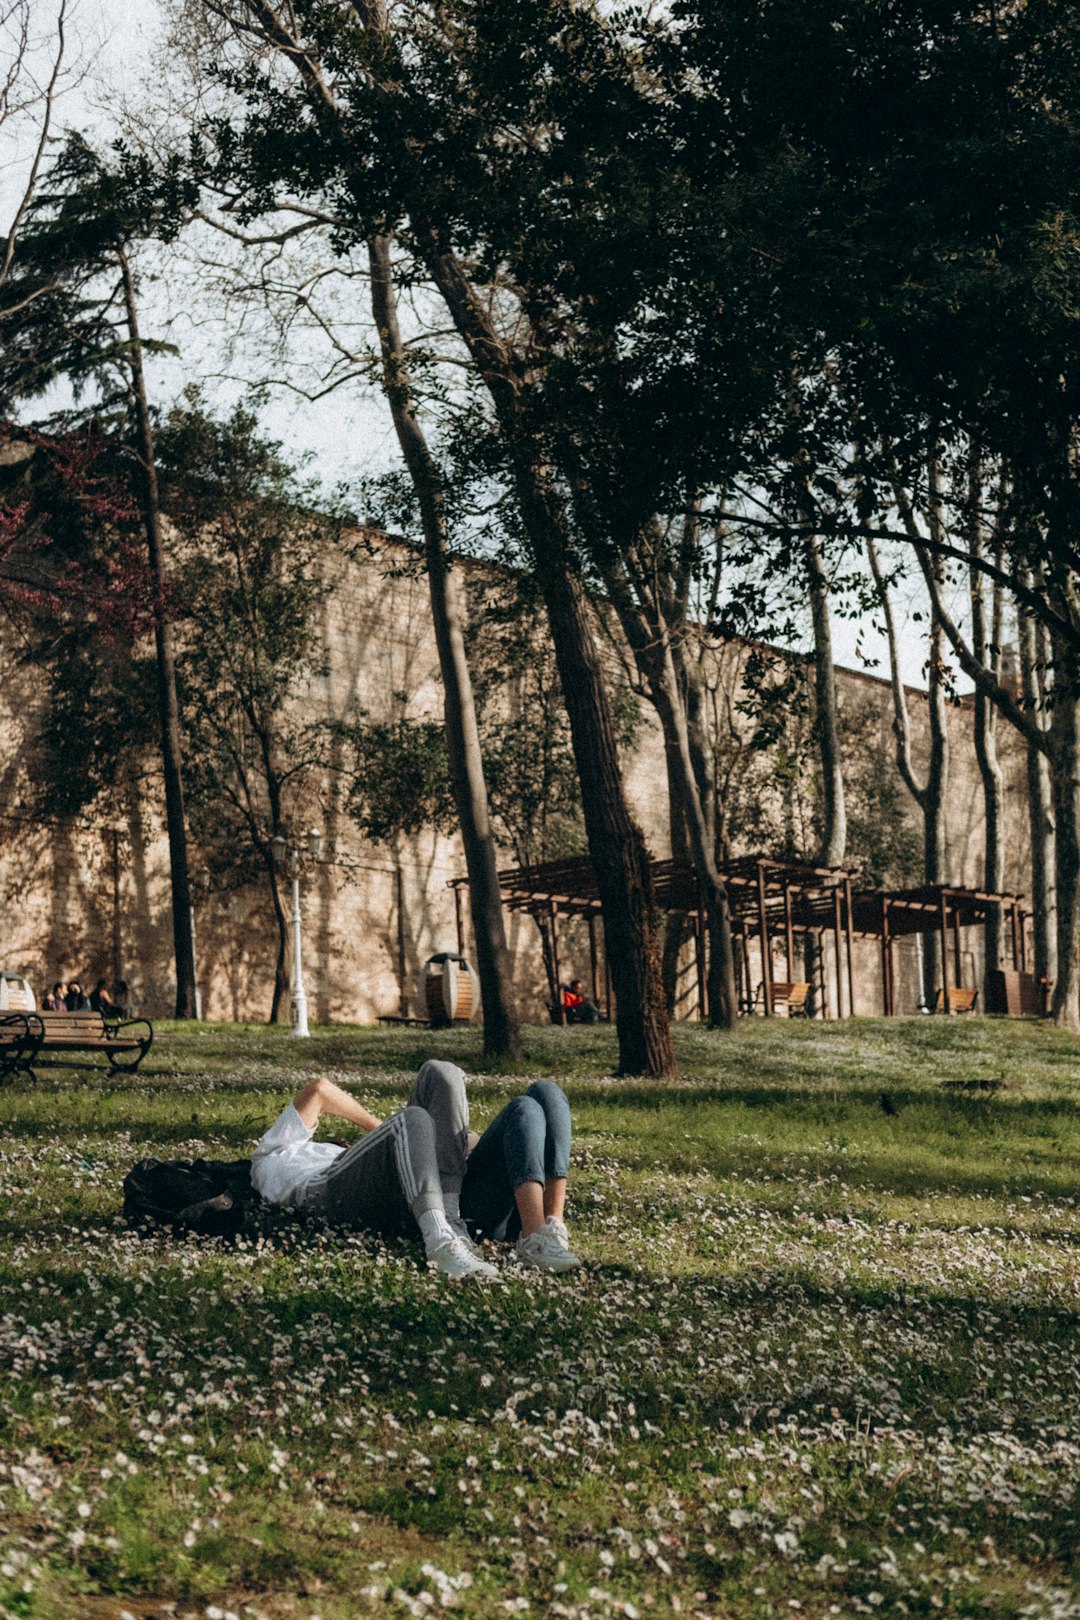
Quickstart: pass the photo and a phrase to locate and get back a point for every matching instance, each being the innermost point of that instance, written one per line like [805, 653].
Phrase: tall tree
[377, 120]
[501, 1035]
[250, 655]
[75, 269]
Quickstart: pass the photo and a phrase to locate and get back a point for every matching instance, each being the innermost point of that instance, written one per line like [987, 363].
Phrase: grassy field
[824, 1359]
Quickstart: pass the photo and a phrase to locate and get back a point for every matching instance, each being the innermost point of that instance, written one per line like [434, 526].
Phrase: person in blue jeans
[423, 1166]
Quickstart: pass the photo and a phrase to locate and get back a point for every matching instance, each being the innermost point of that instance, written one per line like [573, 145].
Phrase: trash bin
[16, 994]
[449, 989]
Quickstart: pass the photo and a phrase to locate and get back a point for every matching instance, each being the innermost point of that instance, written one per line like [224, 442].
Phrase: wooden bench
[19, 1036]
[961, 1000]
[125, 1042]
[792, 996]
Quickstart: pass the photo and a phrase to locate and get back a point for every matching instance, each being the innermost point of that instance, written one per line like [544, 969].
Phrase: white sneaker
[453, 1259]
[548, 1248]
[462, 1233]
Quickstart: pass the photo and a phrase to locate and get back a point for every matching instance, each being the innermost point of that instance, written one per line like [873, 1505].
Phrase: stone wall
[372, 914]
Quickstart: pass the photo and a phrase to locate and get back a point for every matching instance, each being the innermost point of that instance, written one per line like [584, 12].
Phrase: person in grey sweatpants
[414, 1161]
[417, 1166]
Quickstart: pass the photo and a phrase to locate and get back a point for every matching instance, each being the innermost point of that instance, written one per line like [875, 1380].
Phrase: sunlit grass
[823, 1361]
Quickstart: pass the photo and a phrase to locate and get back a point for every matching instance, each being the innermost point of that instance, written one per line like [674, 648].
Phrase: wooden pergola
[935, 908]
[769, 900]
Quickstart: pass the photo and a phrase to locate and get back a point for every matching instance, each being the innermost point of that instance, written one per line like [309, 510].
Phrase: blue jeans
[529, 1140]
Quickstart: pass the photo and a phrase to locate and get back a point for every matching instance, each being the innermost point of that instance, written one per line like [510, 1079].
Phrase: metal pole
[399, 907]
[920, 970]
[553, 914]
[195, 968]
[699, 963]
[299, 994]
[944, 925]
[766, 955]
[117, 966]
[848, 931]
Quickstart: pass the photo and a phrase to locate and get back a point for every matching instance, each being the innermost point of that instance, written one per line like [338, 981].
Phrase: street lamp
[115, 833]
[201, 881]
[289, 857]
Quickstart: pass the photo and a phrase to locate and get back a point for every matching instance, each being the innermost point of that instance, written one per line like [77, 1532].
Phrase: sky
[345, 436]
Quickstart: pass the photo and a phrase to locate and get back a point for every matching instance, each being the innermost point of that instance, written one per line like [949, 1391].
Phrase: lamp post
[202, 883]
[116, 832]
[290, 857]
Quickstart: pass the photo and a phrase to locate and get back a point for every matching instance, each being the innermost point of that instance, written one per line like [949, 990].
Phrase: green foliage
[532, 778]
[253, 560]
[884, 843]
[398, 772]
[399, 777]
[61, 313]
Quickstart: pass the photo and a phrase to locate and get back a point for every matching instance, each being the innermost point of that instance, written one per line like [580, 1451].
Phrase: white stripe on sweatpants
[394, 1128]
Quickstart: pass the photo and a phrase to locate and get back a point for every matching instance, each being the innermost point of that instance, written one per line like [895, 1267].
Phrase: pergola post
[459, 919]
[743, 958]
[837, 955]
[766, 954]
[594, 975]
[789, 935]
[944, 924]
[958, 971]
[699, 963]
[886, 960]
[1017, 946]
[553, 917]
[849, 928]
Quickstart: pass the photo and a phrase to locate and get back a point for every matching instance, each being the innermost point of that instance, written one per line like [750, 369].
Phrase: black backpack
[207, 1197]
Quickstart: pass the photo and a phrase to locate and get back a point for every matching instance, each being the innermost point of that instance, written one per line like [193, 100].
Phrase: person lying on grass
[417, 1167]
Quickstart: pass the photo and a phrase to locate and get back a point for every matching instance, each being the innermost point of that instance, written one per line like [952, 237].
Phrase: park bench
[961, 1000]
[125, 1042]
[793, 996]
[19, 1036]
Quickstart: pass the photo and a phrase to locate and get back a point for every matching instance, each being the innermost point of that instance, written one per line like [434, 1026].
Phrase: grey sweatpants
[405, 1165]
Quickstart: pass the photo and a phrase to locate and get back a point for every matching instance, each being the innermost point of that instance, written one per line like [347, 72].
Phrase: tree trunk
[502, 1036]
[929, 795]
[933, 800]
[675, 928]
[1065, 746]
[168, 707]
[833, 844]
[657, 656]
[1040, 810]
[616, 845]
[281, 965]
[993, 785]
[703, 752]
[986, 645]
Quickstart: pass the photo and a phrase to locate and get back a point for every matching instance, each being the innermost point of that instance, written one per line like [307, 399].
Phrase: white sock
[452, 1205]
[435, 1229]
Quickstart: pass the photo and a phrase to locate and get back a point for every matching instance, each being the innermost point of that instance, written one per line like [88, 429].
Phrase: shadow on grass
[935, 1375]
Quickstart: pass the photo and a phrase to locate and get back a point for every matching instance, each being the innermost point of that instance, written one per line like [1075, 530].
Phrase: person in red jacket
[576, 1007]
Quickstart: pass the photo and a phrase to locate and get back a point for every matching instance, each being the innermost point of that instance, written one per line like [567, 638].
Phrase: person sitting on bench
[577, 1009]
[416, 1169]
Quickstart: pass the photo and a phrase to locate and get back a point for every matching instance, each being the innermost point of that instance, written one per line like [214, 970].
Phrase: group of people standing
[69, 996]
